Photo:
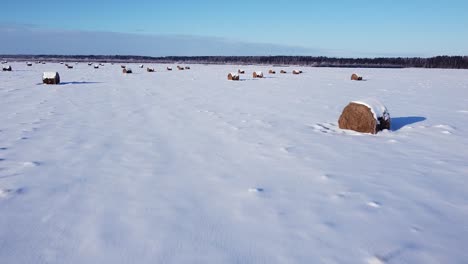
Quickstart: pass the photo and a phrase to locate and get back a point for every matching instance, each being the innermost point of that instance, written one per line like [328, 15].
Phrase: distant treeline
[447, 62]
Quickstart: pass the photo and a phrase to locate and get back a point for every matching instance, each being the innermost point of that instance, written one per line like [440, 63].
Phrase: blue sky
[333, 28]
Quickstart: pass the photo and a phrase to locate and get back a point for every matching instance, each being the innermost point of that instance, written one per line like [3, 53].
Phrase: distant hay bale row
[6, 68]
[50, 78]
[233, 77]
[365, 116]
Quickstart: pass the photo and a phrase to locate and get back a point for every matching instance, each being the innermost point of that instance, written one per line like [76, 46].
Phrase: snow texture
[188, 167]
[49, 75]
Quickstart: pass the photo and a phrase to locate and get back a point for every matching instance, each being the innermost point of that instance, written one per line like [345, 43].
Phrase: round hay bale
[187, 67]
[50, 78]
[6, 68]
[29, 64]
[258, 74]
[355, 77]
[127, 70]
[96, 66]
[283, 71]
[141, 66]
[239, 71]
[365, 116]
[272, 72]
[150, 69]
[169, 68]
[233, 77]
[122, 66]
[296, 72]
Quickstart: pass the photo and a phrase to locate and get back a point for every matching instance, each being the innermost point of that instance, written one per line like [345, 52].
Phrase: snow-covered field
[187, 167]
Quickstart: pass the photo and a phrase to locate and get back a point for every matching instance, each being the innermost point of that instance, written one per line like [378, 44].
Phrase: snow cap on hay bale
[6, 68]
[233, 76]
[187, 67]
[50, 78]
[239, 71]
[169, 68]
[141, 66]
[365, 116]
[150, 69]
[283, 71]
[258, 74]
[127, 70]
[271, 72]
[355, 77]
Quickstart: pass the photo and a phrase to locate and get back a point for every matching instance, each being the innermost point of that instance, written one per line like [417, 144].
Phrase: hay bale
[70, 66]
[89, 64]
[239, 71]
[123, 66]
[141, 66]
[150, 69]
[6, 68]
[355, 77]
[43, 62]
[169, 68]
[283, 71]
[127, 70]
[233, 76]
[365, 116]
[50, 78]
[257, 74]
[187, 67]
[29, 64]
[271, 72]
[296, 72]
[96, 66]
[180, 68]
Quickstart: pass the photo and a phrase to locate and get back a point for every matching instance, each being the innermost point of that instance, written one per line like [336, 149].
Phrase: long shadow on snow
[400, 122]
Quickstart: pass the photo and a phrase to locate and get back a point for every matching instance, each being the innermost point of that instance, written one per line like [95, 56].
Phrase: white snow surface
[188, 167]
[49, 75]
[377, 108]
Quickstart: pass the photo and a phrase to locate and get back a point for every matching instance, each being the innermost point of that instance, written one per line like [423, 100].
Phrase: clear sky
[302, 27]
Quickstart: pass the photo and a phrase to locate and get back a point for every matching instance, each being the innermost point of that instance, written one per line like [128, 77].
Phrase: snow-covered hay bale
[70, 66]
[89, 64]
[355, 77]
[283, 71]
[272, 72]
[233, 76]
[239, 71]
[28, 63]
[6, 68]
[50, 78]
[123, 66]
[96, 66]
[296, 72]
[180, 68]
[141, 66]
[365, 116]
[127, 70]
[150, 69]
[169, 68]
[187, 67]
[257, 74]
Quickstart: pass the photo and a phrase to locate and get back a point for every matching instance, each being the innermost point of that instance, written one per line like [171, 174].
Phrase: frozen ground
[187, 167]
